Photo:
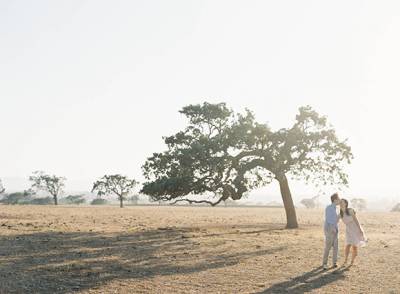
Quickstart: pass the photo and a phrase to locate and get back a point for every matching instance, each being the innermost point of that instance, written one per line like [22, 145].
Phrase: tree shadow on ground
[309, 281]
[57, 262]
[226, 230]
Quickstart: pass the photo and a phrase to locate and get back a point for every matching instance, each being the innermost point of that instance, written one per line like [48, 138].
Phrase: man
[331, 231]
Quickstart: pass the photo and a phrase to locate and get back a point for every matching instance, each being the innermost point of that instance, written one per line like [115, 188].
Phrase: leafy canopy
[49, 183]
[225, 154]
[16, 198]
[75, 199]
[114, 184]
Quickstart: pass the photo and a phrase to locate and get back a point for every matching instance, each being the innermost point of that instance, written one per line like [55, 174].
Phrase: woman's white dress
[353, 235]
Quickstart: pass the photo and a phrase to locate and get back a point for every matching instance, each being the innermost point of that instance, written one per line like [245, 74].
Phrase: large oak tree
[223, 154]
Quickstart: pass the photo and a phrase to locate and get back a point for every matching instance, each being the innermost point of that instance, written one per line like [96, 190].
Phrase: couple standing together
[355, 236]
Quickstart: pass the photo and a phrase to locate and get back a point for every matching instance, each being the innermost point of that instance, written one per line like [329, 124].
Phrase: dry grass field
[45, 249]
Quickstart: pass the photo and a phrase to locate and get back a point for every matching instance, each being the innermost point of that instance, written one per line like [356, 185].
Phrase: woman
[355, 236]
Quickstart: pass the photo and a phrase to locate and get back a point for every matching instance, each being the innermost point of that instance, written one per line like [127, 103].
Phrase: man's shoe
[325, 267]
[335, 265]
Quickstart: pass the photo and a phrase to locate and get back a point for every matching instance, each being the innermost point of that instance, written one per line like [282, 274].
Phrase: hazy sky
[90, 87]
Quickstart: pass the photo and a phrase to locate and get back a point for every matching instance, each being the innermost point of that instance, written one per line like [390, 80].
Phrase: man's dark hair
[334, 197]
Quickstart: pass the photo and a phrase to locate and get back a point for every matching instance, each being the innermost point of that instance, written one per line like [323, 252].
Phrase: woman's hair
[346, 209]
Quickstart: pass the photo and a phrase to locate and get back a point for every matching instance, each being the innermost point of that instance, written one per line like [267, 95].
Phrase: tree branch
[199, 201]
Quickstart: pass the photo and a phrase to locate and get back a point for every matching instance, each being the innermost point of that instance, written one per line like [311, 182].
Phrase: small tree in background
[75, 199]
[359, 204]
[115, 184]
[134, 199]
[230, 202]
[98, 201]
[49, 183]
[17, 198]
[310, 202]
[41, 201]
[396, 208]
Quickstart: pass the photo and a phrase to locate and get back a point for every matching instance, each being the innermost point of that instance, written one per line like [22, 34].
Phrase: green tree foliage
[396, 208]
[49, 183]
[115, 184]
[41, 201]
[134, 199]
[17, 198]
[225, 155]
[75, 199]
[98, 201]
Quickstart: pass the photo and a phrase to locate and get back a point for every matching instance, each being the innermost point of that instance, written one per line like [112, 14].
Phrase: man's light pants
[331, 240]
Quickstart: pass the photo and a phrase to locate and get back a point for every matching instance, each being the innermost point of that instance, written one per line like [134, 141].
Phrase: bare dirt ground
[45, 249]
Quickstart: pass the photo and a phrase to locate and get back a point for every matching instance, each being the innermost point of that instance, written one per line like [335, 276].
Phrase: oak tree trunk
[291, 218]
[121, 204]
[55, 200]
